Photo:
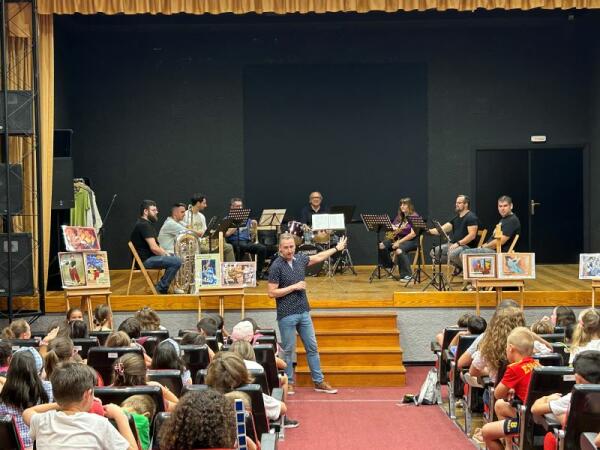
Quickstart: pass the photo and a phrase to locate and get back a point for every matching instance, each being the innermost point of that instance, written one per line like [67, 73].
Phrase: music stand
[344, 261]
[419, 225]
[438, 279]
[346, 210]
[239, 218]
[271, 217]
[378, 223]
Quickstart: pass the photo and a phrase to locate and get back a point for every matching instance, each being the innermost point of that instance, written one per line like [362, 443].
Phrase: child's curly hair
[201, 419]
[148, 318]
[493, 344]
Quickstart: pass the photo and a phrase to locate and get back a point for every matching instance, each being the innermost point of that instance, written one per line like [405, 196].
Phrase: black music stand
[419, 225]
[239, 218]
[211, 229]
[438, 279]
[378, 223]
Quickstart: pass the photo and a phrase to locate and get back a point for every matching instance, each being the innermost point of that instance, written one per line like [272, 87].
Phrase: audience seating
[101, 335]
[455, 384]
[171, 379]
[258, 376]
[83, 345]
[438, 351]
[549, 359]
[584, 416]
[132, 427]
[18, 343]
[9, 434]
[489, 414]
[554, 337]
[149, 343]
[160, 334]
[103, 358]
[118, 394]
[267, 340]
[265, 356]
[159, 419]
[267, 332]
[562, 350]
[544, 381]
[195, 358]
[38, 334]
[586, 442]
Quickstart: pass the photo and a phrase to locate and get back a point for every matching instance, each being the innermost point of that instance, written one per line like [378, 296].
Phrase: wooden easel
[595, 286]
[484, 283]
[86, 293]
[221, 293]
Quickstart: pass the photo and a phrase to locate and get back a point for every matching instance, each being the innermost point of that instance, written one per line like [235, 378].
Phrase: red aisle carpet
[369, 418]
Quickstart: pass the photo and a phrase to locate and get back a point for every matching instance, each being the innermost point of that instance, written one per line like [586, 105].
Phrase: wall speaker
[62, 184]
[20, 112]
[21, 274]
[16, 189]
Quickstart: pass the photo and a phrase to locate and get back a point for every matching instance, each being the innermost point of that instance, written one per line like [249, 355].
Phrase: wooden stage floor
[554, 285]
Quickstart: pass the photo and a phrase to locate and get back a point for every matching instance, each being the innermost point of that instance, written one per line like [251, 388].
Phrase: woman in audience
[102, 318]
[24, 388]
[19, 329]
[130, 370]
[168, 356]
[149, 319]
[204, 419]
[587, 333]
[74, 314]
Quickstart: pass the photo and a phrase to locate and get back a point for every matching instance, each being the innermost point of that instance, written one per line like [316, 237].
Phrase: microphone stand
[101, 230]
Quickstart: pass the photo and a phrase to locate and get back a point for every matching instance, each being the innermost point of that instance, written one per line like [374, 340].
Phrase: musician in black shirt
[315, 206]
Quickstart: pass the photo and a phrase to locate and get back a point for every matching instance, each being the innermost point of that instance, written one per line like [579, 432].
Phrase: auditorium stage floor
[555, 284]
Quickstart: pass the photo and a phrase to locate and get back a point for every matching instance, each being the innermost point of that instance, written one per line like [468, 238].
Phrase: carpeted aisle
[370, 418]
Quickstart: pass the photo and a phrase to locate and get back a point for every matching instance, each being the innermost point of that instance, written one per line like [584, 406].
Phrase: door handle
[532, 206]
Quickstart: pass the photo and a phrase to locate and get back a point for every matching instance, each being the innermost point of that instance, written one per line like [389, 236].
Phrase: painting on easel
[516, 265]
[72, 269]
[589, 266]
[96, 269]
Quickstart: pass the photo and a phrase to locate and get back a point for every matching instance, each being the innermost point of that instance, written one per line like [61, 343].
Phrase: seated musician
[243, 243]
[509, 225]
[195, 221]
[315, 206]
[463, 228]
[153, 256]
[172, 227]
[402, 240]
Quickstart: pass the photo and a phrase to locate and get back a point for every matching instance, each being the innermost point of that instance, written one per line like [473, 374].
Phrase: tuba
[186, 246]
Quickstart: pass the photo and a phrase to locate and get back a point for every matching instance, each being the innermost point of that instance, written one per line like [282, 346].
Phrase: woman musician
[400, 240]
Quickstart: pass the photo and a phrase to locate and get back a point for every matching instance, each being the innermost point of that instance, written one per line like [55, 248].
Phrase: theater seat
[103, 358]
[195, 357]
[161, 335]
[101, 335]
[584, 416]
[83, 345]
[455, 383]
[9, 435]
[159, 420]
[171, 379]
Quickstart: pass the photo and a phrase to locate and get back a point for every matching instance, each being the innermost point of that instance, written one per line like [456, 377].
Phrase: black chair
[9, 435]
[265, 356]
[132, 427]
[544, 381]
[83, 345]
[149, 343]
[103, 358]
[559, 329]
[554, 337]
[455, 382]
[159, 419]
[171, 379]
[439, 352]
[549, 359]
[587, 441]
[38, 335]
[101, 335]
[267, 332]
[584, 416]
[160, 334]
[563, 351]
[18, 343]
[212, 343]
[193, 387]
[118, 394]
[267, 340]
[259, 377]
[195, 358]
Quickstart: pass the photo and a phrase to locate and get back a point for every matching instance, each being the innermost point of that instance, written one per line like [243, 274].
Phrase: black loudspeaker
[16, 189]
[62, 184]
[20, 112]
[62, 143]
[22, 266]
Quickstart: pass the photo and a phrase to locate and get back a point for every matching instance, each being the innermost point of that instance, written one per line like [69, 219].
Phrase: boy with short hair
[142, 409]
[514, 383]
[68, 424]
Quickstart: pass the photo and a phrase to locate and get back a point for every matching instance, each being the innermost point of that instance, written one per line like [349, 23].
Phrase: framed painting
[79, 239]
[207, 271]
[589, 266]
[516, 265]
[72, 269]
[238, 274]
[479, 266]
[96, 269]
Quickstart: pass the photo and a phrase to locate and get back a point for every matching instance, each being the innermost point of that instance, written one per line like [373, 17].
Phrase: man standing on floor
[287, 286]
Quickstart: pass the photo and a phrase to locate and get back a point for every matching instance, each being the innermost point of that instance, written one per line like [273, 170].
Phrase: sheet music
[267, 215]
[328, 222]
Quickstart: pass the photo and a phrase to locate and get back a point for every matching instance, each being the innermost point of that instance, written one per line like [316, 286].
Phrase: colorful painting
[589, 266]
[72, 269]
[516, 265]
[479, 266]
[238, 274]
[96, 269]
[79, 239]
[208, 271]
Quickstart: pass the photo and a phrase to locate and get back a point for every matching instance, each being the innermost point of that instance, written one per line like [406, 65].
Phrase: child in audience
[142, 409]
[475, 326]
[130, 370]
[149, 319]
[514, 384]
[462, 323]
[220, 324]
[587, 333]
[60, 350]
[245, 398]
[193, 338]
[5, 356]
[242, 331]
[118, 339]
[587, 371]
[74, 313]
[203, 419]
[207, 326]
[19, 329]
[67, 423]
[132, 327]
[77, 329]
[167, 355]
[542, 327]
[24, 388]
[102, 318]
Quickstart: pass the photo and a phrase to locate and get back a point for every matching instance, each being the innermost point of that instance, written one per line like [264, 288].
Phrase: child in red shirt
[514, 383]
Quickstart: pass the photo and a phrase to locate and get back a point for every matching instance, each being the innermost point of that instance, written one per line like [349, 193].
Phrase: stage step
[355, 356]
[356, 376]
[356, 350]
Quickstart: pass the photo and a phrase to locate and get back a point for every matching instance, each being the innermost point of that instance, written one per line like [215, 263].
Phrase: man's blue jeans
[303, 324]
[171, 265]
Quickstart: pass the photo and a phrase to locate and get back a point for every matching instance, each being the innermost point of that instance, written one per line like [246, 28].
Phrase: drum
[322, 237]
[267, 237]
[310, 250]
[296, 229]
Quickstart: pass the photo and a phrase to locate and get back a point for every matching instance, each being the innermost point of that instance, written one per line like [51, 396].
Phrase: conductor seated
[153, 256]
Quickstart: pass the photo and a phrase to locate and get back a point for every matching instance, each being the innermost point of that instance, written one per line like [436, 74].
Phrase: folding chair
[141, 269]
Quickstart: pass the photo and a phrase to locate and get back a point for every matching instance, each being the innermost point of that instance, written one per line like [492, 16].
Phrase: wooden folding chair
[142, 270]
[482, 235]
[511, 249]
[419, 254]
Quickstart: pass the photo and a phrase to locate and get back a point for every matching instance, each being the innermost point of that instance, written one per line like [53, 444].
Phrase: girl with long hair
[587, 333]
[167, 355]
